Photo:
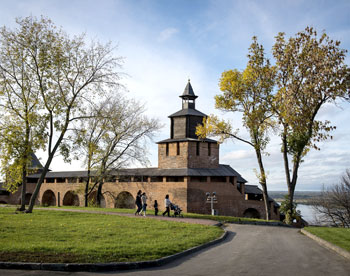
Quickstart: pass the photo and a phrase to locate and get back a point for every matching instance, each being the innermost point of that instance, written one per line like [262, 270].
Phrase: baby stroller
[177, 210]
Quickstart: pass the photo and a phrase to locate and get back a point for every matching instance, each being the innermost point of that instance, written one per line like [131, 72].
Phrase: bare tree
[21, 126]
[334, 203]
[65, 73]
[114, 137]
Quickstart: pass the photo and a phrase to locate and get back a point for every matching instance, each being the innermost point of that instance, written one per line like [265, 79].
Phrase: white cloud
[167, 33]
[238, 155]
[206, 41]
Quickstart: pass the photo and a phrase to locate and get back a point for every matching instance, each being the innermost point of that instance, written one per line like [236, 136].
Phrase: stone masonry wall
[154, 191]
[190, 196]
[172, 160]
[230, 201]
[228, 198]
[15, 198]
[188, 157]
[203, 160]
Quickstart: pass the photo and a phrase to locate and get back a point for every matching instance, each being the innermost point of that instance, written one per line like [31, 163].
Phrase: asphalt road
[248, 250]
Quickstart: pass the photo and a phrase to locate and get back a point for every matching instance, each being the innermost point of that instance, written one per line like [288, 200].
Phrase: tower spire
[188, 97]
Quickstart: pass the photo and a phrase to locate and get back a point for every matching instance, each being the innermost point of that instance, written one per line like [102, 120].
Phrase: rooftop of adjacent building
[222, 170]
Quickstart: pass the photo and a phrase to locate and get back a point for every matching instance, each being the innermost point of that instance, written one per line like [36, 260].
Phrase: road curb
[327, 244]
[263, 223]
[99, 267]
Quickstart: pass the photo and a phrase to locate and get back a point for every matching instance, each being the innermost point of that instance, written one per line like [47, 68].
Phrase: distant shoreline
[300, 197]
[298, 201]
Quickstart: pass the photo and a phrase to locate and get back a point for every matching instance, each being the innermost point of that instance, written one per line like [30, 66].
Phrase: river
[308, 213]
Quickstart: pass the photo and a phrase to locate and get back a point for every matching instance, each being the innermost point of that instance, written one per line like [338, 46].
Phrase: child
[155, 208]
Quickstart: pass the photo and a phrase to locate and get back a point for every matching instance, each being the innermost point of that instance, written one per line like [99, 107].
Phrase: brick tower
[184, 149]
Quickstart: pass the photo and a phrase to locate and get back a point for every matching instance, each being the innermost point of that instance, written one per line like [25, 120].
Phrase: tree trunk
[99, 194]
[286, 170]
[86, 195]
[24, 189]
[285, 156]
[263, 184]
[38, 185]
[266, 201]
[25, 166]
[44, 172]
[293, 183]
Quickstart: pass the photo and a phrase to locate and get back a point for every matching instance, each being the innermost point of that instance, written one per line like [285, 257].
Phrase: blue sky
[166, 42]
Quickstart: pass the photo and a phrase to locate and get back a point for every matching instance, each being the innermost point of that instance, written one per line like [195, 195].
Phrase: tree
[67, 74]
[21, 130]
[248, 92]
[334, 203]
[289, 216]
[113, 138]
[86, 138]
[310, 73]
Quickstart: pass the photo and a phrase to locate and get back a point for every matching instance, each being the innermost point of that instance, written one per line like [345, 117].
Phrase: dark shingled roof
[188, 92]
[222, 170]
[35, 164]
[187, 140]
[254, 189]
[188, 112]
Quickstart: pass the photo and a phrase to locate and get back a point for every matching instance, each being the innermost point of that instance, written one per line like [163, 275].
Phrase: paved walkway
[248, 250]
[159, 217]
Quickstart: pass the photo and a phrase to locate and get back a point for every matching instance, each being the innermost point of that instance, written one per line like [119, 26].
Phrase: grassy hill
[67, 237]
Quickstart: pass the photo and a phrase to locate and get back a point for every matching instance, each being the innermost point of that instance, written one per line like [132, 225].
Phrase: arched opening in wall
[124, 200]
[70, 199]
[251, 213]
[3, 202]
[49, 198]
[92, 200]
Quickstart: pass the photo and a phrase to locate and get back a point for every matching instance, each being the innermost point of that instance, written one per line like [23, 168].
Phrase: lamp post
[212, 198]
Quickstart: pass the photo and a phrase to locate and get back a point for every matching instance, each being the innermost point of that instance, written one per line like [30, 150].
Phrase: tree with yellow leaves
[250, 93]
[311, 72]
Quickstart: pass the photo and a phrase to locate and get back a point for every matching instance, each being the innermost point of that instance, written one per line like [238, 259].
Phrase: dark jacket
[138, 200]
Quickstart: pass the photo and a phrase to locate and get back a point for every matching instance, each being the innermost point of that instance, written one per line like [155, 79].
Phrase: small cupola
[188, 97]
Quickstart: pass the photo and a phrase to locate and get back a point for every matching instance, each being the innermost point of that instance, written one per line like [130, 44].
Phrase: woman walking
[167, 204]
[138, 203]
[144, 203]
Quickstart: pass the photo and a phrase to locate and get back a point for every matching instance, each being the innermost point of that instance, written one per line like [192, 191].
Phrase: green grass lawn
[337, 236]
[45, 236]
[151, 212]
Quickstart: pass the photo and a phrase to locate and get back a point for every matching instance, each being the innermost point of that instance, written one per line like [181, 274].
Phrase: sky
[164, 43]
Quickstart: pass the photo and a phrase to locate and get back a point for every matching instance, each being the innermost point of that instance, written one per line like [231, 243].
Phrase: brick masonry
[187, 156]
[183, 151]
[190, 196]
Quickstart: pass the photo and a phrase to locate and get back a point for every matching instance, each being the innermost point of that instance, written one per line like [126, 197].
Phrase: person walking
[138, 203]
[155, 208]
[167, 204]
[144, 203]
